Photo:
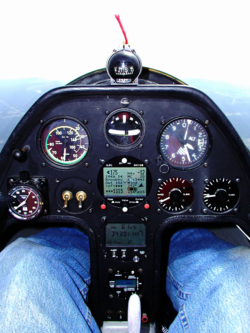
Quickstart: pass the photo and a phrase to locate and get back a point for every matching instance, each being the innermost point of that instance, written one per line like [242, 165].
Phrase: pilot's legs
[44, 281]
[208, 283]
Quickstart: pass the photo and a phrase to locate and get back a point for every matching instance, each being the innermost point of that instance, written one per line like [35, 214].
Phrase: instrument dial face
[184, 143]
[175, 195]
[124, 129]
[221, 195]
[65, 141]
[28, 202]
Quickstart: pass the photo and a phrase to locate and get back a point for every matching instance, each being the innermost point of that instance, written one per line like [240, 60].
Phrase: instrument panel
[124, 165]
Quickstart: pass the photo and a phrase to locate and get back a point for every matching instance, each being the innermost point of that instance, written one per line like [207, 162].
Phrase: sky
[61, 40]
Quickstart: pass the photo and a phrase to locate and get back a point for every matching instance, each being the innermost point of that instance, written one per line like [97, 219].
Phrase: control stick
[134, 314]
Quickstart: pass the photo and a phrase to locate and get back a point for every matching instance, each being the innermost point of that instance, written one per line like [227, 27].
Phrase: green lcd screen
[124, 182]
[125, 234]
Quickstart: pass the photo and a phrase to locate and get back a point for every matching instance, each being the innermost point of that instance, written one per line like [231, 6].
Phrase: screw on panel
[11, 181]
[236, 210]
[90, 210]
[103, 218]
[58, 210]
[43, 164]
[85, 121]
[107, 145]
[146, 162]
[57, 180]
[205, 165]
[192, 181]
[89, 181]
[204, 211]
[86, 165]
[158, 210]
[41, 121]
[237, 180]
[140, 145]
[124, 101]
[207, 122]
[163, 122]
[206, 181]
[107, 112]
[141, 113]
[159, 180]
[190, 210]
[102, 161]
[45, 212]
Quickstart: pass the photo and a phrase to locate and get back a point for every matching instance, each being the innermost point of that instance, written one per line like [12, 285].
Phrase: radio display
[122, 283]
[124, 182]
[125, 234]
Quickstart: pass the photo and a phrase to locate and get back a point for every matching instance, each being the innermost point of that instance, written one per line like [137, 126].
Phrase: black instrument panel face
[123, 172]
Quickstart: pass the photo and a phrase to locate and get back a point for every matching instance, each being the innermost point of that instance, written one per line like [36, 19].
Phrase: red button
[147, 206]
[144, 318]
[103, 206]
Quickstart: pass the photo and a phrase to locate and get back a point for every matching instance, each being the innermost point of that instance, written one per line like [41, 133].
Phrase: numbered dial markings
[28, 202]
[65, 141]
[175, 195]
[221, 195]
[184, 142]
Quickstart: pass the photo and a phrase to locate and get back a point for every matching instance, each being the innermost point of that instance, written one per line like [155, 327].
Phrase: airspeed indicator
[65, 141]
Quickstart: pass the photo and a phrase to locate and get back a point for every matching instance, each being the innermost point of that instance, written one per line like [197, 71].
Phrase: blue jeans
[44, 282]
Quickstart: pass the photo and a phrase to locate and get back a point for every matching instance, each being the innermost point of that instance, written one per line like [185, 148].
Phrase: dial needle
[185, 136]
[162, 200]
[24, 202]
[209, 195]
[187, 153]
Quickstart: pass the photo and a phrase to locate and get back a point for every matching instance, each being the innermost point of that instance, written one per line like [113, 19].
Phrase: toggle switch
[66, 195]
[81, 196]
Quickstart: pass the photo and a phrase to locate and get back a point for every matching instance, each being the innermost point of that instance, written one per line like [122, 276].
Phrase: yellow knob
[66, 195]
[81, 196]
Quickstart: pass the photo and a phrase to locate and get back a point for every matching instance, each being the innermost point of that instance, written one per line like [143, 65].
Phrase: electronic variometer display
[125, 182]
[125, 234]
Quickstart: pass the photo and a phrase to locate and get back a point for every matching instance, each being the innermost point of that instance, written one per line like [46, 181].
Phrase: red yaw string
[123, 31]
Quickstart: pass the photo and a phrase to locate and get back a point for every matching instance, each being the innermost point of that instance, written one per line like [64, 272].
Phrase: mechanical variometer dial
[28, 203]
[175, 194]
[184, 143]
[221, 195]
[65, 141]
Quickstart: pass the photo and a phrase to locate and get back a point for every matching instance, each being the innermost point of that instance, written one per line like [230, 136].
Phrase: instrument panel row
[128, 152]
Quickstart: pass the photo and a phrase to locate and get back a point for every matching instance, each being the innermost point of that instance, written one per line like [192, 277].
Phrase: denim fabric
[44, 282]
[208, 283]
